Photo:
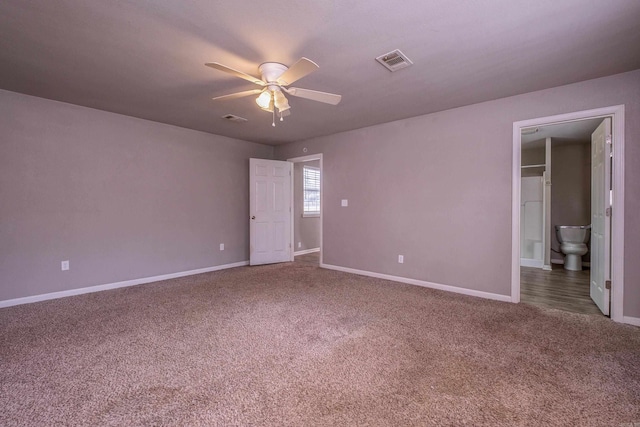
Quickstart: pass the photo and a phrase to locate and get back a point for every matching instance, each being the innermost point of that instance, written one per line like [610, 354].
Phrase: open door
[601, 215]
[269, 211]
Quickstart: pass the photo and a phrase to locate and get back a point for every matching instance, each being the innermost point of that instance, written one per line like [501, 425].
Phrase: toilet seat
[574, 248]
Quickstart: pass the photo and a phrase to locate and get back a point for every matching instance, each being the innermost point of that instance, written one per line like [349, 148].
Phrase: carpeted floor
[295, 345]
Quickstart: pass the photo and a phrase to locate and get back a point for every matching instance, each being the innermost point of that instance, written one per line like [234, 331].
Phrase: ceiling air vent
[394, 60]
[234, 118]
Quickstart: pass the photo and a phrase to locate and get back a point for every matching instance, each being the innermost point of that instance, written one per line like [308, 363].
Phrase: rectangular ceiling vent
[234, 118]
[394, 60]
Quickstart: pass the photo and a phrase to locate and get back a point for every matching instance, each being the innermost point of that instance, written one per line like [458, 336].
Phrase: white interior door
[601, 214]
[269, 211]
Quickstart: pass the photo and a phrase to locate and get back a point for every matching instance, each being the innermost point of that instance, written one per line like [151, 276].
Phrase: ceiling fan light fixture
[268, 108]
[264, 100]
[280, 101]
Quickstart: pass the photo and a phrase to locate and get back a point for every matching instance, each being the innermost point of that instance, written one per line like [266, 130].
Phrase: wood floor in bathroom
[558, 288]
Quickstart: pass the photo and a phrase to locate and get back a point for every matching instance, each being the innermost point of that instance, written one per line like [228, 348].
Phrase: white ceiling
[146, 58]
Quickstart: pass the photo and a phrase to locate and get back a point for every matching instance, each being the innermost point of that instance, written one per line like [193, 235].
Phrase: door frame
[301, 160]
[616, 113]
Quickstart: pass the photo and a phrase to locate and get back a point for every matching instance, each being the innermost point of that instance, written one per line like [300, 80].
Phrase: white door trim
[307, 159]
[617, 221]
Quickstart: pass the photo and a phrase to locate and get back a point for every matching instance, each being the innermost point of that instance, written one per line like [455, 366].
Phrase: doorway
[616, 114]
[556, 195]
[306, 222]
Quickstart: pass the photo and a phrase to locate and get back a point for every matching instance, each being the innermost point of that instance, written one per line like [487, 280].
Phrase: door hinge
[608, 139]
[607, 212]
[607, 284]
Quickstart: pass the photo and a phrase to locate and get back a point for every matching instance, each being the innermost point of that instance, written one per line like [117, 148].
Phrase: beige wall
[306, 231]
[120, 198]
[532, 156]
[437, 188]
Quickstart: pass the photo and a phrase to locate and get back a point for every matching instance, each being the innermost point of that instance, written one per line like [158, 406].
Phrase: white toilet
[573, 243]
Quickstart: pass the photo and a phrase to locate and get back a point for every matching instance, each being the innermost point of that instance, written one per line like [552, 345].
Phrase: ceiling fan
[274, 81]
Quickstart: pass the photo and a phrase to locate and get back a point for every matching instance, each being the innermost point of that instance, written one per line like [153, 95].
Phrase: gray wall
[571, 187]
[120, 198]
[306, 231]
[437, 188]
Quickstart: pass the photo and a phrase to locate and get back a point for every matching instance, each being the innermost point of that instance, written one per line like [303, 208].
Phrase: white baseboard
[306, 251]
[527, 262]
[635, 321]
[124, 284]
[455, 289]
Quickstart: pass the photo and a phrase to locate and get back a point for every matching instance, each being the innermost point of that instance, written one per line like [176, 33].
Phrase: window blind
[311, 189]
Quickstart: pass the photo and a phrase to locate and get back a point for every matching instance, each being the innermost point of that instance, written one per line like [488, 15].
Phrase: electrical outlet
[344, 203]
[64, 265]
[400, 259]
[299, 245]
[222, 246]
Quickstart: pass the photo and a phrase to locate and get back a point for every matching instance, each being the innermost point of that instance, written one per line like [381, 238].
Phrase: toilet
[573, 243]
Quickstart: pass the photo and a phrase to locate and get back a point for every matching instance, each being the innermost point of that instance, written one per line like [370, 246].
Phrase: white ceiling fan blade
[297, 71]
[314, 95]
[238, 94]
[236, 73]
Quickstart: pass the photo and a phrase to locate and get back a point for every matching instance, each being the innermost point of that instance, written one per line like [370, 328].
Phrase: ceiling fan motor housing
[270, 71]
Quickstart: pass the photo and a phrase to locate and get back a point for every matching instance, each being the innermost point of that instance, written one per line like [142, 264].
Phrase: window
[311, 191]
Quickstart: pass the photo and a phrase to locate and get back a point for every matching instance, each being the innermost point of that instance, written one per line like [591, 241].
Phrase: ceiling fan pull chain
[273, 118]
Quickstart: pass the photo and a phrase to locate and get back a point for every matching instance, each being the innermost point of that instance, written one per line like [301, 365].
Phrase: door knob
[253, 217]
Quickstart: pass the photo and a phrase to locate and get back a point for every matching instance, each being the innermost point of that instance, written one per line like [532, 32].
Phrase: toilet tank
[573, 233]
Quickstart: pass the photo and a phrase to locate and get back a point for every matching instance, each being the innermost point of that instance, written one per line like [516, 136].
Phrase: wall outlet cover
[344, 203]
[64, 265]
[222, 246]
[401, 259]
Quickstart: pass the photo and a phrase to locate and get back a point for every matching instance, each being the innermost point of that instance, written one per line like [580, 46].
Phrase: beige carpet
[295, 345]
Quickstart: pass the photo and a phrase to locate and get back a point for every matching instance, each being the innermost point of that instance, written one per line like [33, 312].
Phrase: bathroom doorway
[307, 209]
[552, 187]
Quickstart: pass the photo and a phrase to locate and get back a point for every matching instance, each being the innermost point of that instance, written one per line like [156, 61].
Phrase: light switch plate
[222, 246]
[344, 203]
[64, 265]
